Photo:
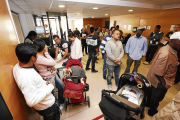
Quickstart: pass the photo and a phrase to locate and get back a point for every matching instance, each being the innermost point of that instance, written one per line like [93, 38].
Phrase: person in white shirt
[76, 48]
[36, 91]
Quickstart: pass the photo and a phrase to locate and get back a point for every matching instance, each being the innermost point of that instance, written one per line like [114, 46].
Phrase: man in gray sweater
[115, 52]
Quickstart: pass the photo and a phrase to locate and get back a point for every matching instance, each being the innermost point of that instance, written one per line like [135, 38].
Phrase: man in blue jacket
[102, 46]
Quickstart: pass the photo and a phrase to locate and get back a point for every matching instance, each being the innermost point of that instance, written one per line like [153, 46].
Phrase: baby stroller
[118, 107]
[75, 85]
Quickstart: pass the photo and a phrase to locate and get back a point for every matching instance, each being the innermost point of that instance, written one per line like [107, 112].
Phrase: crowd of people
[37, 77]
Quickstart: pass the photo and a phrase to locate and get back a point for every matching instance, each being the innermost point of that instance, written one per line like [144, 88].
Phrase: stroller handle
[119, 103]
[135, 76]
[76, 77]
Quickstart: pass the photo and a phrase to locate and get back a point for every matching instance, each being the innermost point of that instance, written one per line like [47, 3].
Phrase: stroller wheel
[65, 105]
[105, 118]
[88, 100]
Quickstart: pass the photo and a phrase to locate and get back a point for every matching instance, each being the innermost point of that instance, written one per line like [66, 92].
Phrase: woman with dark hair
[45, 67]
[76, 48]
[30, 37]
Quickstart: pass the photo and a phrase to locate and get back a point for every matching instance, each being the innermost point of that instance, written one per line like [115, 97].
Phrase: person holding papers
[83, 37]
[45, 67]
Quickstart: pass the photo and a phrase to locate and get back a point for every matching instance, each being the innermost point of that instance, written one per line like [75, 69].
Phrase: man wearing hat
[162, 72]
[154, 39]
[136, 47]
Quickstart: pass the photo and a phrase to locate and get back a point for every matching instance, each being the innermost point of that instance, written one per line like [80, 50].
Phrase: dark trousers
[92, 56]
[177, 79]
[150, 52]
[129, 63]
[156, 95]
[84, 46]
[51, 113]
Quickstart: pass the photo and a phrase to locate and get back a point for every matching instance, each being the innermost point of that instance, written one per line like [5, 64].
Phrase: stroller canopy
[128, 78]
[73, 62]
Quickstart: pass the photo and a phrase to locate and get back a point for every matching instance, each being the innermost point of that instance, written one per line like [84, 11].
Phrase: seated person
[36, 91]
[64, 46]
[132, 94]
[32, 35]
[45, 67]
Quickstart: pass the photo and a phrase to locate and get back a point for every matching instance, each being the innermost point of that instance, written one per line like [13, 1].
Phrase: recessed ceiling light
[61, 6]
[130, 10]
[92, 17]
[106, 14]
[95, 8]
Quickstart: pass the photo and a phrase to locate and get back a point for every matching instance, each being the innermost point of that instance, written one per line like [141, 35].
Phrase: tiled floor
[97, 83]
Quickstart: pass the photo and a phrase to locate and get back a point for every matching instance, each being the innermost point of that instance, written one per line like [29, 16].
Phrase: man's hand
[59, 61]
[167, 39]
[167, 86]
[105, 55]
[120, 63]
[48, 82]
[116, 61]
[97, 53]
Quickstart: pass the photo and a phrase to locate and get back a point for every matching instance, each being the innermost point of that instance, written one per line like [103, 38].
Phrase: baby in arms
[132, 94]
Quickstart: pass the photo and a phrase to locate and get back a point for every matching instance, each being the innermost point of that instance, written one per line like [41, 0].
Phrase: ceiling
[84, 8]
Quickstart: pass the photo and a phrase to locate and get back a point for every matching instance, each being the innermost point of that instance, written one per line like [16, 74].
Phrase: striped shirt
[103, 43]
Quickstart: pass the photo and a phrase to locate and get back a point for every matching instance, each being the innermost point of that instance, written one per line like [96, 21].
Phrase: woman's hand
[45, 48]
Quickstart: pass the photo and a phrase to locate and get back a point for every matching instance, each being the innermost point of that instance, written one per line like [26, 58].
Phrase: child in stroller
[131, 93]
[75, 83]
[120, 105]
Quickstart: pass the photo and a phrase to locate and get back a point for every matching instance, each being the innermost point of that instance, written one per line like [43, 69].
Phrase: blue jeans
[104, 66]
[59, 85]
[116, 70]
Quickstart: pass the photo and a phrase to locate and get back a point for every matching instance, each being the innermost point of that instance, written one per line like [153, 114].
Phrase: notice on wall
[125, 26]
[148, 27]
[129, 27]
[145, 27]
[172, 27]
[86, 26]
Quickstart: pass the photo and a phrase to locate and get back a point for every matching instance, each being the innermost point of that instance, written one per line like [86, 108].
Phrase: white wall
[71, 25]
[115, 18]
[27, 23]
[78, 23]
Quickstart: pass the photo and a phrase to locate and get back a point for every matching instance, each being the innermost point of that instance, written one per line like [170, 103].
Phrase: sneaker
[61, 106]
[88, 68]
[147, 63]
[112, 77]
[144, 62]
[94, 71]
[109, 87]
[104, 77]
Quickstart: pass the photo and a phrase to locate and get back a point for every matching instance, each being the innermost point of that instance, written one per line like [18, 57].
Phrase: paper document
[83, 35]
[164, 42]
